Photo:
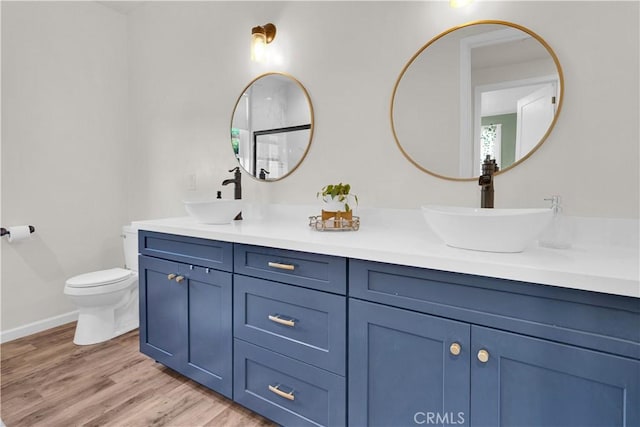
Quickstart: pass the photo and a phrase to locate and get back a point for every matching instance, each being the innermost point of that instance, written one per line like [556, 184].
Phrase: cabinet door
[187, 325]
[532, 382]
[209, 332]
[401, 368]
[163, 312]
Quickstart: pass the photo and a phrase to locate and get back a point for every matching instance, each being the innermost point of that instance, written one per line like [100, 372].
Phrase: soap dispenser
[557, 235]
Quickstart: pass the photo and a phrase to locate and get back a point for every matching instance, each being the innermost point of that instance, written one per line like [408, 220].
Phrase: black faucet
[489, 167]
[237, 182]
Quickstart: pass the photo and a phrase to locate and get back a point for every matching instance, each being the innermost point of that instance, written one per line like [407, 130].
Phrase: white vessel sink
[215, 211]
[490, 230]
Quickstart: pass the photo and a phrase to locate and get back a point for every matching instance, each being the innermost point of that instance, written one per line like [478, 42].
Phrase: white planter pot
[332, 205]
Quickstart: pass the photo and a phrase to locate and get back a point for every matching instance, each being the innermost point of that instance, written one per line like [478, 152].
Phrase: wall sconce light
[261, 36]
[459, 3]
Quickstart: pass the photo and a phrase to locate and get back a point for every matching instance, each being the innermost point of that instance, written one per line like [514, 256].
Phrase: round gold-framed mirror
[272, 126]
[482, 88]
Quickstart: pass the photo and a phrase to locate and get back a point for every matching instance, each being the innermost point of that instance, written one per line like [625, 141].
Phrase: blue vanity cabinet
[290, 322]
[529, 354]
[316, 340]
[186, 315]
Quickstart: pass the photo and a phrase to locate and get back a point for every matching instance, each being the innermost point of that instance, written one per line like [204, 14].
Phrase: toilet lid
[99, 278]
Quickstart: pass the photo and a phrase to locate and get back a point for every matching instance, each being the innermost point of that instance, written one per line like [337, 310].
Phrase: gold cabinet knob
[483, 356]
[179, 279]
[171, 276]
[455, 349]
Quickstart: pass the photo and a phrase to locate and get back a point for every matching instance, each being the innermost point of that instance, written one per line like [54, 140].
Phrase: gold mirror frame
[438, 37]
[311, 121]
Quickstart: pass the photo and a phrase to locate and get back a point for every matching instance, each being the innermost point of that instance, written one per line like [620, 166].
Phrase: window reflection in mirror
[488, 87]
[272, 126]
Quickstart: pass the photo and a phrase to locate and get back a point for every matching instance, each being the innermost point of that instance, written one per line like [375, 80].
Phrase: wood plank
[46, 380]
[16, 350]
[19, 401]
[238, 417]
[40, 414]
[163, 409]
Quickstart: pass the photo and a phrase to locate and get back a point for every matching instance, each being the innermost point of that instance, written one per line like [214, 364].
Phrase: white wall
[64, 119]
[65, 111]
[190, 61]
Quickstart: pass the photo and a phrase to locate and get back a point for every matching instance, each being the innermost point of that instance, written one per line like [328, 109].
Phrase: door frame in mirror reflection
[471, 159]
[468, 141]
[281, 105]
[527, 88]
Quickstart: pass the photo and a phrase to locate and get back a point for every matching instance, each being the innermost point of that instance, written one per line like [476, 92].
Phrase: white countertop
[403, 237]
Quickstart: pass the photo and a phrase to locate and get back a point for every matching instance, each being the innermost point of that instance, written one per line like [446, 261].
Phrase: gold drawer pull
[171, 276]
[286, 322]
[281, 393]
[281, 266]
[483, 356]
[179, 279]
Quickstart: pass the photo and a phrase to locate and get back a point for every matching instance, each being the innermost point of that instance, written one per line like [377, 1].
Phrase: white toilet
[107, 300]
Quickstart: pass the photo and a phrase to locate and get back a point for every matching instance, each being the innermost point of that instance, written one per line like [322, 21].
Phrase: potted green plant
[336, 197]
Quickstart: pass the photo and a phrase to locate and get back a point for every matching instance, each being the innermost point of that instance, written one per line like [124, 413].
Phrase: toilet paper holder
[5, 232]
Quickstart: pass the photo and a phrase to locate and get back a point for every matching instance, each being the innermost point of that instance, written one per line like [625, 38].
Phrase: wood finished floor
[46, 380]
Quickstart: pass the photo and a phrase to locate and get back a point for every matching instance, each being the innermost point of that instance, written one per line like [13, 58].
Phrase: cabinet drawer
[301, 323]
[287, 391]
[588, 319]
[188, 250]
[322, 272]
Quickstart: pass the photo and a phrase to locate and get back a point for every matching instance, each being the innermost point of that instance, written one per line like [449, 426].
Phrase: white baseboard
[39, 326]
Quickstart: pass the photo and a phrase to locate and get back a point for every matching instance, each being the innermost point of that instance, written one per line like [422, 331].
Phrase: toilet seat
[100, 282]
[99, 278]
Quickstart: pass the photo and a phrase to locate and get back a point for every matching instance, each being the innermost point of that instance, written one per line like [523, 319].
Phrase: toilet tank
[130, 242]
